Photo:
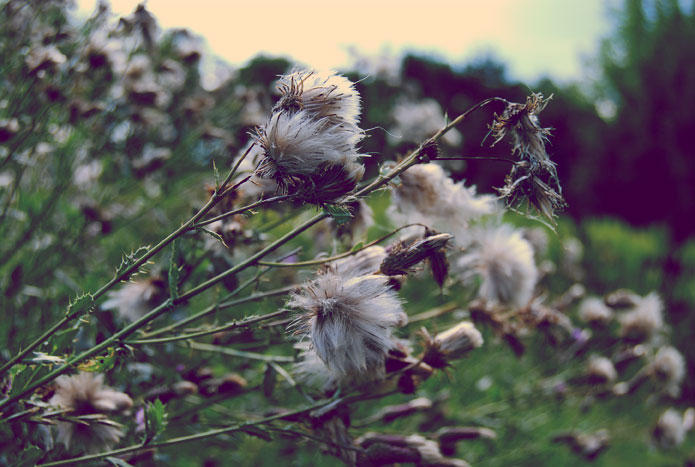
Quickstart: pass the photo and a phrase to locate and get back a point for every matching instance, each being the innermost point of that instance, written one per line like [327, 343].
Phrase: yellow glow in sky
[534, 37]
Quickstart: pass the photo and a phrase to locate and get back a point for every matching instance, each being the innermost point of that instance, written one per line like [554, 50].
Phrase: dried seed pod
[401, 259]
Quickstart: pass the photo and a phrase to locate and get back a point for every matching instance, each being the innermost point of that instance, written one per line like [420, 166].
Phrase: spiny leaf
[130, 258]
[80, 303]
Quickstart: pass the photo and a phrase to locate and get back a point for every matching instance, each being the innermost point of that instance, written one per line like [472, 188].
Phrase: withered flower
[403, 256]
[534, 176]
[86, 395]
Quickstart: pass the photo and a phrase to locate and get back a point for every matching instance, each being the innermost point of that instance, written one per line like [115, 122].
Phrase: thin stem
[314, 262]
[221, 306]
[256, 204]
[185, 439]
[252, 259]
[241, 354]
[232, 325]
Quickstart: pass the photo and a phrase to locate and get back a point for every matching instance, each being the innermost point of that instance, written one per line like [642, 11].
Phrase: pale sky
[533, 37]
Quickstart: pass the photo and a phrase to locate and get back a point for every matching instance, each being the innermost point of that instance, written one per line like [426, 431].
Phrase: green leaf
[100, 364]
[358, 247]
[215, 235]
[217, 175]
[174, 271]
[340, 214]
[155, 420]
[80, 303]
[130, 258]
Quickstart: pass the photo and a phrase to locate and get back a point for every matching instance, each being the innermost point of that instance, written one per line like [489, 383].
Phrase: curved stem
[258, 203]
[206, 332]
[315, 262]
[220, 306]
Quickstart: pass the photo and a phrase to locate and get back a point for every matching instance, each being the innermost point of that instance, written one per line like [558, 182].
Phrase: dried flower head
[644, 320]
[386, 449]
[600, 370]
[297, 145]
[349, 321]
[451, 344]
[427, 195]
[534, 177]
[135, 298]
[588, 445]
[504, 260]
[85, 394]
[321, 94]
[593, 310]
[670, 430]
[668, 368]
[403, 256]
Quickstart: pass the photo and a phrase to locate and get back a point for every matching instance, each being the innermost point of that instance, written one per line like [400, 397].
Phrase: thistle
[85, 394]
[534, 176]
[504, 261]
[348, 321]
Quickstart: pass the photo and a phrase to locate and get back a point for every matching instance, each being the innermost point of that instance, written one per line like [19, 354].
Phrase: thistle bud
[451, 344]
[600, 370]
[403, 257]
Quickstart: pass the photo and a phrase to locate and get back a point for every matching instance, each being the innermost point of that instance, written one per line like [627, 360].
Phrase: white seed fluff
[429, 196]
[504, 261]
[84, 394]
[594, 310]
[349, 321]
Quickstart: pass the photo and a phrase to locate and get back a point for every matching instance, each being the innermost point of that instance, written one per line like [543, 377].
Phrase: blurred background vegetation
[96, 161]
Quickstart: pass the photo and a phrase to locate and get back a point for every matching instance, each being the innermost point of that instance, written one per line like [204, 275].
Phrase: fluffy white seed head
[644, 320]
[601, 370]
[670, 430]
[323, 94]
[668, 368]
[504, 261]
[427, 195]
[363, 263]
[417, 121]
[298, 144]
[459, 340]
[349, 321]
[85, 394]
[593, 310]
[311, 370]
